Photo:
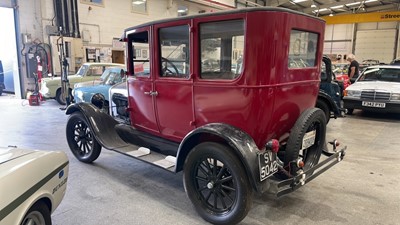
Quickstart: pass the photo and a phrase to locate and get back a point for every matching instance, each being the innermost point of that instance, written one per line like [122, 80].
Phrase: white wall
[367, 40]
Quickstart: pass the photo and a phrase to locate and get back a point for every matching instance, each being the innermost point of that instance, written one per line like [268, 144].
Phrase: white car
[376, 89]
[32, 185]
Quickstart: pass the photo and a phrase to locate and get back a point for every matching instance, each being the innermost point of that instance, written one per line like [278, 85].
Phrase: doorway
[8, 51]
[118, 57]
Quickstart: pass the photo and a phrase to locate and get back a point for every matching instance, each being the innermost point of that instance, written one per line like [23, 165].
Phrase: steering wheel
[166, 70]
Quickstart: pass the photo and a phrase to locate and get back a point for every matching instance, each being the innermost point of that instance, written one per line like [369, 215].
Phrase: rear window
[302, 49]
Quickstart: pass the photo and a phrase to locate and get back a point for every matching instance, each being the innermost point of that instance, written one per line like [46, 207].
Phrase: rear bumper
[282, 187]
[357, 104]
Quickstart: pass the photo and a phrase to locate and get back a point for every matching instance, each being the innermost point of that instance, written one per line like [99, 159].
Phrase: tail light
[272, 145]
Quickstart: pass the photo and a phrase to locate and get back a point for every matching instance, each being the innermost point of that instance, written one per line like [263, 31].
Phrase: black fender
[332, 105]
[101, 123]
[241, 142]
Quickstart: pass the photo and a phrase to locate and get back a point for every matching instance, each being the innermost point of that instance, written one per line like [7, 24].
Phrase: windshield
[114, 76]
[82, 70]
[105, 74]
[381, 74]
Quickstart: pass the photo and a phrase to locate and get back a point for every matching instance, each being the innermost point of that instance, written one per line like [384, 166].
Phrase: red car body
[264, 101]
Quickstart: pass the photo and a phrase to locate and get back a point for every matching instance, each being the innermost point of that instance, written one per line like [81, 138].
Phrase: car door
[140, 86]
[173, 84]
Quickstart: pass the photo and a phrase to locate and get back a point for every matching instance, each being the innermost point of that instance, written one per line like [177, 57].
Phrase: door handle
[151, 93]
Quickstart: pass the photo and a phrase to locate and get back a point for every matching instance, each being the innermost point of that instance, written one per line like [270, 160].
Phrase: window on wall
[222, 47]
[94, 2]
[141, 61]
[302, 49]
[139, 6]
[174, 45]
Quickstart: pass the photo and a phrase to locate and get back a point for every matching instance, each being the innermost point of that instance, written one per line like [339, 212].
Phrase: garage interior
[362, 190]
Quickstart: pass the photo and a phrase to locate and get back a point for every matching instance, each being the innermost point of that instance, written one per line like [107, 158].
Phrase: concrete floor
[363, 189]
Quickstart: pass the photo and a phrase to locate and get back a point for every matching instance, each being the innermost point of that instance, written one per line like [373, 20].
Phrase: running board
[146, 155]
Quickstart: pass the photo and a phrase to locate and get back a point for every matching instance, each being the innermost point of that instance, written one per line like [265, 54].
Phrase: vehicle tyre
[325, 108]
[38, 214]
[311, 119]
[60, 99]
[349, 111]
[216, 183]
[81, 139]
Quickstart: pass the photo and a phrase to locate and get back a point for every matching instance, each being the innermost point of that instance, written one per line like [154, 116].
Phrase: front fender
[242, 143]
[101, 123]
[332, 105]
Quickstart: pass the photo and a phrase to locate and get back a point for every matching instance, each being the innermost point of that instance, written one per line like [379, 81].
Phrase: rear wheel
[38, 214]
[311, 120]
[81, 139]
[216, 183]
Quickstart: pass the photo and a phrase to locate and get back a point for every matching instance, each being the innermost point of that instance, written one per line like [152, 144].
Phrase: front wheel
[60, 98]
[217, 184]
[38, 214]
[81, 139]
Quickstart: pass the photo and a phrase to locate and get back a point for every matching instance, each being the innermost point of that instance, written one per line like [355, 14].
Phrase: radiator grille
[375, 95]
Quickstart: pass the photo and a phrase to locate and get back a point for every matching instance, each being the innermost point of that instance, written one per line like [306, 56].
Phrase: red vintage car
[245, 124]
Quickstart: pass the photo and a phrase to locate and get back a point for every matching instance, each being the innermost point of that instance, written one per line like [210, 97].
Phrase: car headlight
[395, 96]
[78, 96]
[353, 93]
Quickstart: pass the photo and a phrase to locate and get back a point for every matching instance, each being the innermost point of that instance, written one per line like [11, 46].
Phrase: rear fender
[101, 123]
[240, 142]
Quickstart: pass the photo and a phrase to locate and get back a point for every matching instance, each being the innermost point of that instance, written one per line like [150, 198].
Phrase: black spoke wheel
[310, 120]
[217, 184]
[81, 140]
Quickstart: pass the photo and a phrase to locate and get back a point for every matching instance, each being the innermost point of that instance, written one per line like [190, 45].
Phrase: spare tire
[310, 121]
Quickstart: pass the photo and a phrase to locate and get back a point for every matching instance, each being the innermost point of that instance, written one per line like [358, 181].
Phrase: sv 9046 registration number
[267, 164]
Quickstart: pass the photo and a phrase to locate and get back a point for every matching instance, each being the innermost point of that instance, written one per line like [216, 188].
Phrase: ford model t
[228, 98]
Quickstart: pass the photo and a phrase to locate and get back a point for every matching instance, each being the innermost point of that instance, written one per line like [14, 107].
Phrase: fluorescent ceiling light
[298, 1]
[337, 7]
[354, 3]
[313, 6]
[368, 1]
[331, 14]
[182, 10]
[321, 10]
[138, 2]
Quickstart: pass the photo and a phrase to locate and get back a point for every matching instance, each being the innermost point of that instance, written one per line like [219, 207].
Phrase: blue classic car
[110, 77]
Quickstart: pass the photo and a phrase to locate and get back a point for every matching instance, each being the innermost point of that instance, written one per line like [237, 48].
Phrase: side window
[302, 49]
[222, 46]
[141, 62]
[95, 71]
[174, 46]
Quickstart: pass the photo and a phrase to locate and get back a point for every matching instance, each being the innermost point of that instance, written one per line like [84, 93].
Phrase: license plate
[308, 139]
[374, 104]
[267, 164]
